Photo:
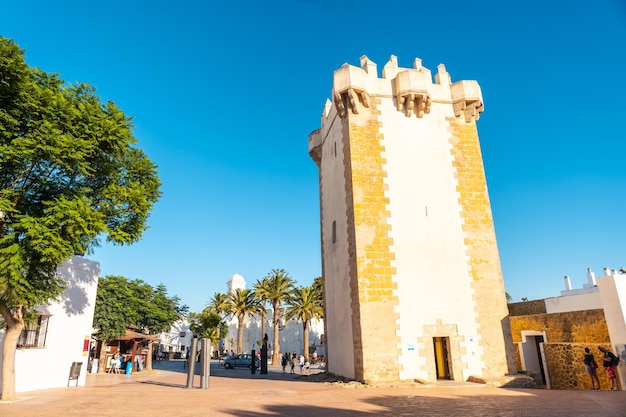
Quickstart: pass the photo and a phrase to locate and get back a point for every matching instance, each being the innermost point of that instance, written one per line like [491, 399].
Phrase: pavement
[163, 392]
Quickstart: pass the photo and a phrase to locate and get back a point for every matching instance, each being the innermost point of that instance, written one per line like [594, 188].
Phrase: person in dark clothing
[591, 367]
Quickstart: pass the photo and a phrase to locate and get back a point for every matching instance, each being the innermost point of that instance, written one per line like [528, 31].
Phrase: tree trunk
[276, 345]
[14, 325]
[263, 317]
[305, 339]
[102, 358]
[240, 320]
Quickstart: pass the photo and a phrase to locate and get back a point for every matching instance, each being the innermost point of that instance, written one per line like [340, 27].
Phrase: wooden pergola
[137, 339]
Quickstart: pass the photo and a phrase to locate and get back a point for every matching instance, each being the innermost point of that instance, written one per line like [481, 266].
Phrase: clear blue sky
[224, 95]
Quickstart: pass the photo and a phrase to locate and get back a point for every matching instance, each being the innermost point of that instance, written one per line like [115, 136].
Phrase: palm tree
[241, 303]
[261, 291]
[317, 285]
[305, 304]
[219, 304]
[277, 289]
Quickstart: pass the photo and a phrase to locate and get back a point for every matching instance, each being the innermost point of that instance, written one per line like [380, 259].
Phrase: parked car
[239, 361]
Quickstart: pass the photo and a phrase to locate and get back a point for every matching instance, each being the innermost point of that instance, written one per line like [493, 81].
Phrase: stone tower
[412, 281]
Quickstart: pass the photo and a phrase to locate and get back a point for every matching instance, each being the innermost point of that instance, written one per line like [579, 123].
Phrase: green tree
[69, 176]
[113, 310]
[219, 304]
[122, 304]
[242, 303]
[208, 324]
[276, 288]
[305, 304]
[318, 285]
[156, 311]
[261, 293]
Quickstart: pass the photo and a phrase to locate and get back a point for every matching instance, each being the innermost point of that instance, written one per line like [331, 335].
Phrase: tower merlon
[412, 88]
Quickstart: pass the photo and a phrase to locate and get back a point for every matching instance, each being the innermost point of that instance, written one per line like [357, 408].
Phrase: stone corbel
[351, 98]
[414, 101]
[470, 109]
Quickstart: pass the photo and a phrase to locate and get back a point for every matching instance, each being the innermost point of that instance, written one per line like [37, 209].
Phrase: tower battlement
[412, 89]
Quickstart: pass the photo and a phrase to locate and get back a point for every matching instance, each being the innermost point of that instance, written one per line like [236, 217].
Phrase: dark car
[239, 361]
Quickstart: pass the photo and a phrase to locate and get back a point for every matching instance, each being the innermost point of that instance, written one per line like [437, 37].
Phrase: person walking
[610, 363]
[591, 366]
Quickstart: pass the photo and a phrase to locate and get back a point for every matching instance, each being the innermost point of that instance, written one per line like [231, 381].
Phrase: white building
[174, 343]
[61, 336]
[593, 312]
[291, 332]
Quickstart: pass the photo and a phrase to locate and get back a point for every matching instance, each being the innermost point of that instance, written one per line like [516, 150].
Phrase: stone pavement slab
[239, 393]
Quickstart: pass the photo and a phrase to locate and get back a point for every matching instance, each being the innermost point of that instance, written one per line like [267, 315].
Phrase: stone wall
[567, 335]
[588, 326]
[566, 368]
[527, 307]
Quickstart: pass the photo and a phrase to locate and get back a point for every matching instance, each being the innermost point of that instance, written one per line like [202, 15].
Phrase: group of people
[609, 362]
[291, 358]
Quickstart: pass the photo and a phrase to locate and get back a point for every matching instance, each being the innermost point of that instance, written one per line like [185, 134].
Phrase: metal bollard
[191, 361]
[205, 359]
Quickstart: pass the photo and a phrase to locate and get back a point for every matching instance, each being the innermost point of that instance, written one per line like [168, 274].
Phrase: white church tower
[236, 282]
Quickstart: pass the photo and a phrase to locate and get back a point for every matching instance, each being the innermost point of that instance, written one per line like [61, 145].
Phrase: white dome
[235, 282]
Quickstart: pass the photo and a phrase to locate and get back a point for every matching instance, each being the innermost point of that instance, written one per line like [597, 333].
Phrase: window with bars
[34, 334]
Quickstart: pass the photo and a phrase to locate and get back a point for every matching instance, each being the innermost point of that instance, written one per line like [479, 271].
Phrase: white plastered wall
[575, 302]
[340, 355]
[70, 324]
[431, 262]
[613, 295]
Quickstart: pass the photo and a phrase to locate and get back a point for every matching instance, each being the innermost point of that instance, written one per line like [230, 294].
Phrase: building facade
[412, 277]
[46, 350]
[291, 337]
[550, 334]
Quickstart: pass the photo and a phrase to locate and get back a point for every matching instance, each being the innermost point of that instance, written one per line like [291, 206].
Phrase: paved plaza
[163, 392]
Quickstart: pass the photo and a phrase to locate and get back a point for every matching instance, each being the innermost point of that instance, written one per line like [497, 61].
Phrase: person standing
[591, 366]
[610, 363]
[301, 363]
[292, 364]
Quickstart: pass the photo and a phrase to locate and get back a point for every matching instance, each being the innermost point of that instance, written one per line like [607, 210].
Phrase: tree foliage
[242, 303]
[221, 307]
[70, 175]
[305, 304]
[208, 324]
[122, 304]
[276, 288]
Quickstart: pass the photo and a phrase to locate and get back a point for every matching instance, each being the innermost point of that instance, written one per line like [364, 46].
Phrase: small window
[334, 231]
[34, 334]
[335, 149]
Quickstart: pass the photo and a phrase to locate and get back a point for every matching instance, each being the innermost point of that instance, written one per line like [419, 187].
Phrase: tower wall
[414, 254]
